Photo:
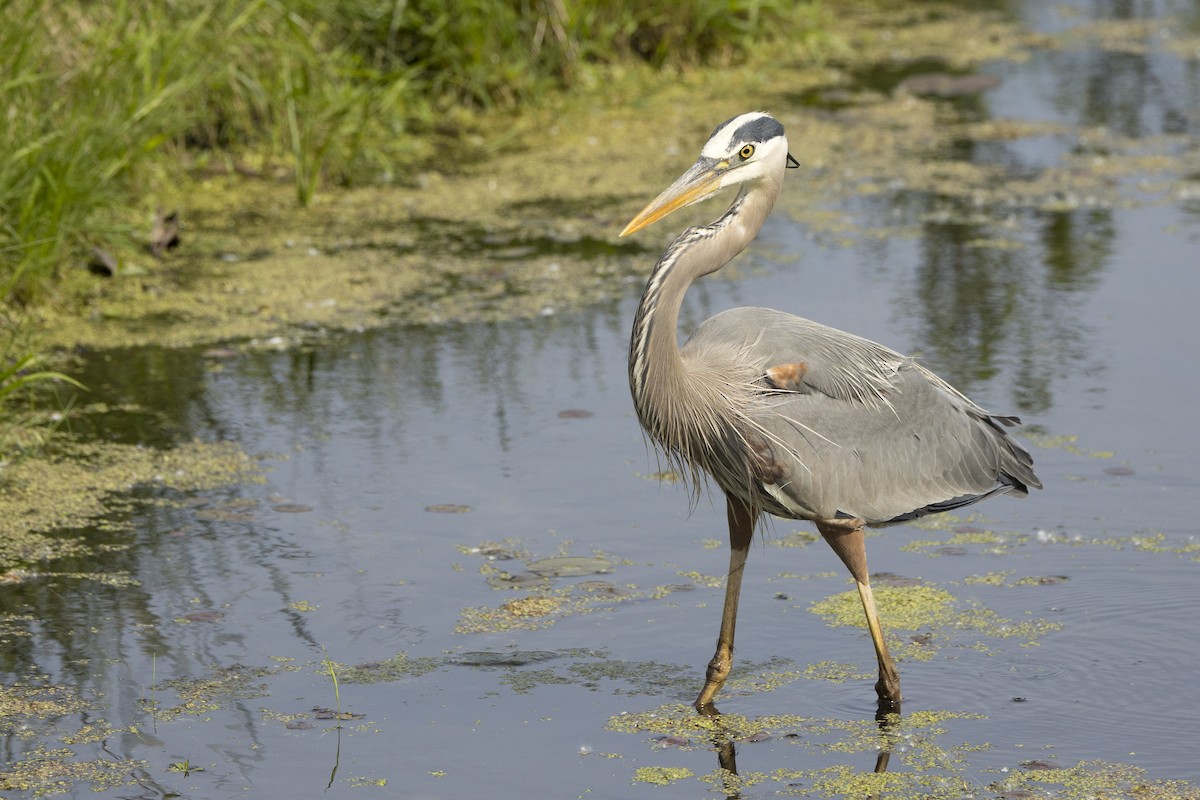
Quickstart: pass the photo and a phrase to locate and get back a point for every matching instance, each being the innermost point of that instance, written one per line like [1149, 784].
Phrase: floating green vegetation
[803, 576]
[794, 539]
[909, 733]
[90, 733]
[1005, 579]
[661, 776]
[988, 579]
[900, 607]
[544, 604]
[732, 784]
[935, 612]
[1066, 443]
[682, 724]
[14, 625]
[34, 713]
[916, 756]
[502, 550]
[21, 703]
[922, 762]
[539, 573]
[662, 476]
[119, 580]
[930, 772]
[993, 542]
[396, 668]
[1092, 779]
[77, 483]
[525, 681]
[946, 521]
[768, 676]
[43, 772]
[966, 535]
[449, 508]
[1142, 542]
[526, 613]
[1132, 36]
[700, 579]
[836, 672]
[202, 696]
[843, 780]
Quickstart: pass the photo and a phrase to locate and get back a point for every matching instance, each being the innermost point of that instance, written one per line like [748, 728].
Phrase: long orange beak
[700, 181]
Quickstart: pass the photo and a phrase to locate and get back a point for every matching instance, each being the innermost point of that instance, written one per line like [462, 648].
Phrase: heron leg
[847, 539]
[741, 530]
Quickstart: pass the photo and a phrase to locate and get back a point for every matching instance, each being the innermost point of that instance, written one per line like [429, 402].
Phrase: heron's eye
[746, 151]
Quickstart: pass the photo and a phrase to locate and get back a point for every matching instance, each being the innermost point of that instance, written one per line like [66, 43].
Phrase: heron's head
[748, 148]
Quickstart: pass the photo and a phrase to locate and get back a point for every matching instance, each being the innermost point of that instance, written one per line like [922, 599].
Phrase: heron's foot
[888, 689]
[714, 679]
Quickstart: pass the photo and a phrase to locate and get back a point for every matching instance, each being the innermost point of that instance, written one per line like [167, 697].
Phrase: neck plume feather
[693, 406]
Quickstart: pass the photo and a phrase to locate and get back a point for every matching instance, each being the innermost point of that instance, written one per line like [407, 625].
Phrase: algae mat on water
[82, 484]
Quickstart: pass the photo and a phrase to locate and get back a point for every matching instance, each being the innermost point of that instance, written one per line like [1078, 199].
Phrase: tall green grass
[102, 102]
[25, 422]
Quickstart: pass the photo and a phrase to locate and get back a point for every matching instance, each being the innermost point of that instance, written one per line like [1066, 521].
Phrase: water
[1087, 331]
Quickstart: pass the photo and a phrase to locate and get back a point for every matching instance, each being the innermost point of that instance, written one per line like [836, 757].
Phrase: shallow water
[407, 466]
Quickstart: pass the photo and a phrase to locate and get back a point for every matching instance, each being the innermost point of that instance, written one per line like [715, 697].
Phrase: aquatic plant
[19, 378]
[107, 103]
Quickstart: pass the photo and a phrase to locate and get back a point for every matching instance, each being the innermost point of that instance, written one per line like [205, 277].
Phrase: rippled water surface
[412, 473]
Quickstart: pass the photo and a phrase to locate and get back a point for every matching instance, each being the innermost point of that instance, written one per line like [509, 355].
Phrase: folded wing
[852, 428]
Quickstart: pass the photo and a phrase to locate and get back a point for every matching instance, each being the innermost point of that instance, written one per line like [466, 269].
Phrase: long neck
[658, 377]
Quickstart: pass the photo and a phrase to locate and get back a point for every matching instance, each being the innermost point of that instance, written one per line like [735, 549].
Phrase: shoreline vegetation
[110, 107]
[119, 115]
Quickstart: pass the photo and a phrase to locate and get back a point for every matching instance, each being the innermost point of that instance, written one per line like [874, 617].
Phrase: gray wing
[850, 427]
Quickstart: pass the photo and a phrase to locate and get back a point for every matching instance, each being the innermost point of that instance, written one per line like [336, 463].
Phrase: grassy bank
[107, 103]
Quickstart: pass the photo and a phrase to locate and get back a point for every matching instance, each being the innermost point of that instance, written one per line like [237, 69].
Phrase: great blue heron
[790, 417]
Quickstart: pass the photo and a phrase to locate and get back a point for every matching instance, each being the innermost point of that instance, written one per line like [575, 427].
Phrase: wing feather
[860, 429]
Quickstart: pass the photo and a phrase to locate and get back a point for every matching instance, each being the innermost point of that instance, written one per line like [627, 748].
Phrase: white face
[746, 148]
[752, 145]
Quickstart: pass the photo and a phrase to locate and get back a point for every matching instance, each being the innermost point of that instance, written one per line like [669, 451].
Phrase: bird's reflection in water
[887, 717]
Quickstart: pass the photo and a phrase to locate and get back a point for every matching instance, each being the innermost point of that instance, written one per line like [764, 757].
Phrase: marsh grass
[106, 104]
[25, 424]
[331, 668]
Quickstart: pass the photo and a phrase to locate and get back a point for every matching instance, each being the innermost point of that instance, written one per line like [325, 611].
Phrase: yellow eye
[746, 151]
